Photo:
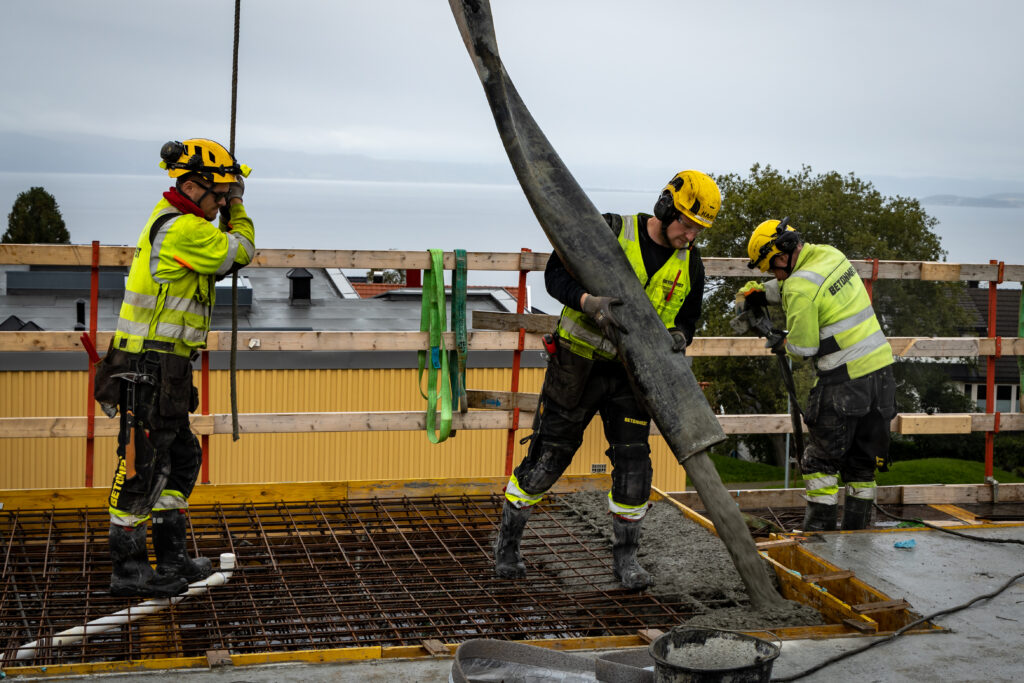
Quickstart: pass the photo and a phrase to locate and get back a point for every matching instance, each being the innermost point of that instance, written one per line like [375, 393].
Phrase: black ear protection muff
[665, 208]
[786, 241]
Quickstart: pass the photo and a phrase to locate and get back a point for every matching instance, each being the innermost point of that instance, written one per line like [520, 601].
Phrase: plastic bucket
[707, 655]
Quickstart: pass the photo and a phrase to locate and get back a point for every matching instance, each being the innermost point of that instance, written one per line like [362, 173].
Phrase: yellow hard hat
[205, 157]
[691, 193]
[770, 238]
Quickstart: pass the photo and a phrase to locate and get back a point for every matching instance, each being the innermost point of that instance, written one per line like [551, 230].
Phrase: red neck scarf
[183, 203]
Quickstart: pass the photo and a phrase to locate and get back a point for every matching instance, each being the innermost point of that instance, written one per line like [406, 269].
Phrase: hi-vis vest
[170, 291]
[667, 289]
[830, 317]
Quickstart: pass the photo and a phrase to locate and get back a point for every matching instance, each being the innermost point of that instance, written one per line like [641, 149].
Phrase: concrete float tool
[126, 616]
[590, 251]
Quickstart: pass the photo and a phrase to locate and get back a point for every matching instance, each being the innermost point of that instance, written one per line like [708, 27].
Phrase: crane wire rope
[234, 275]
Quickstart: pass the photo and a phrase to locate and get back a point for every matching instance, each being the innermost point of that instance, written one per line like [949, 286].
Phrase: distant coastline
[995, 201]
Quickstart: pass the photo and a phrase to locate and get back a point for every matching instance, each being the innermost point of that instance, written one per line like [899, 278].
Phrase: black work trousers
[849, 426]
[156, 449]
[575, 388]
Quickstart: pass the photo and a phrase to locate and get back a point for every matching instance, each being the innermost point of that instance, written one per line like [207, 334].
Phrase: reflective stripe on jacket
[170, 291]
[666, 289]
[830, 317]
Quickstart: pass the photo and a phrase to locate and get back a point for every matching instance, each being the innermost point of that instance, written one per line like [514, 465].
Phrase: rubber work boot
[820, 517]
[856, 513]
[508, 562]
[627, 542]
[169, 531]
[133, 575]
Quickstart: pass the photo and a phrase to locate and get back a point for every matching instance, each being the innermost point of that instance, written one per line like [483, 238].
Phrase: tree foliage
[851, 215]
[35, 218]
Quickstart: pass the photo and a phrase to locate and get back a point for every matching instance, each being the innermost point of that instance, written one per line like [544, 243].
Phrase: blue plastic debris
[909, 543]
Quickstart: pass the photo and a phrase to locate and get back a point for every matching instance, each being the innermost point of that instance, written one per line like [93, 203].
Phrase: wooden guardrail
[494, 331]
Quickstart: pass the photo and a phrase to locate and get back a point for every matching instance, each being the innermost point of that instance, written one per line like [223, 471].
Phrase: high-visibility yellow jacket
[830, 317]
[667, 290]
[170, 292]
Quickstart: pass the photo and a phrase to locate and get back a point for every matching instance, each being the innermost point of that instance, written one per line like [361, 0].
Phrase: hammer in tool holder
[131, 382]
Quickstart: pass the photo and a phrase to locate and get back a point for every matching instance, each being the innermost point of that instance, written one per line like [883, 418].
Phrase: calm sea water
[335, 214]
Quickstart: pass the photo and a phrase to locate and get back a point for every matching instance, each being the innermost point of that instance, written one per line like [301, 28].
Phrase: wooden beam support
[886, 606]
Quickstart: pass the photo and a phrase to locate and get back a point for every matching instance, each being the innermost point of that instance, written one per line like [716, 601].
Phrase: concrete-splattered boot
[508, 562]
[170, 528]
[627, 542]
[856, 513]
[132, 575]
[820, 517]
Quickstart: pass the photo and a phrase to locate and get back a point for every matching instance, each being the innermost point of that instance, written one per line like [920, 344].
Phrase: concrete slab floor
[985, 642]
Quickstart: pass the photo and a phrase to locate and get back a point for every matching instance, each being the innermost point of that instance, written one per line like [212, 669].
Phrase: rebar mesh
[323, 574]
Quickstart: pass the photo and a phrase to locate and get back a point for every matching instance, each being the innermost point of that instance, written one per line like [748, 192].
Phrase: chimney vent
[301, 280]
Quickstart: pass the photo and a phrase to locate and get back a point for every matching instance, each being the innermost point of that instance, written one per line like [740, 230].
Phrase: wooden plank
[497, 405]
[933, 424]
[649, 635]
[831, 576]
[434, 647]
[771, 545]
[885, 606]
[399, 260]
[931, 270]
[512, 322]
[121, 255]
[503, 340]
[862, 626]
[957, 512]
[502, 400]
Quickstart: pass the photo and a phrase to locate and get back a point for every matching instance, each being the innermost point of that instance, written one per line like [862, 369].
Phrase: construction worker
[830, 320]
[147, 373]
[585, 375]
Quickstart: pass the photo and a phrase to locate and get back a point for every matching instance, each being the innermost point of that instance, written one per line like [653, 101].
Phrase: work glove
[599, 308]
[236, 189]
[779, 346]
[678, 340]
[752, 295]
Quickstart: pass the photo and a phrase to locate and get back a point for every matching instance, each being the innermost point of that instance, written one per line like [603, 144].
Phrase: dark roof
[976, 301]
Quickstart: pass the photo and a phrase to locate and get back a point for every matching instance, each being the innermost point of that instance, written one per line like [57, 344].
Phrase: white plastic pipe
[126, 616]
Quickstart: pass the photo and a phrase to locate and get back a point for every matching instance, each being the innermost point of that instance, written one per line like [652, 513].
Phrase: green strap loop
[458, 366]
[432, 321]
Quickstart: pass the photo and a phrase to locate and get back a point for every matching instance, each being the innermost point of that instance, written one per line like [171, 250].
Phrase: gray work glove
[678, 340]
[236, 189]
[599, 308]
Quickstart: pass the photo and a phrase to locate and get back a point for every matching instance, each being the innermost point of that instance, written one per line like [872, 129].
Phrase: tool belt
[171, 398]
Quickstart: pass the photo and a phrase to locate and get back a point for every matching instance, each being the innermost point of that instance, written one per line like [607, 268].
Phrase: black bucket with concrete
[707, 655]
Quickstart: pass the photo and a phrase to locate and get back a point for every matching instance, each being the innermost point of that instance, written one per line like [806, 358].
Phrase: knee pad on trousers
[631, 473]
[544, 465]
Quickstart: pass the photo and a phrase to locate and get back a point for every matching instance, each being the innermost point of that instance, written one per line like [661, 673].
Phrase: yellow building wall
[259, 458]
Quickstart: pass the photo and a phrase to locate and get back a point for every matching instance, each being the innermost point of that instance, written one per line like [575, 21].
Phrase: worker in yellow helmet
[585, 375]
[831, 322]
[146, 375]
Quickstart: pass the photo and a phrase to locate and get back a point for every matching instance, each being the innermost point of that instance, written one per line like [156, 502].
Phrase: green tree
[35, 218]
[851, 215]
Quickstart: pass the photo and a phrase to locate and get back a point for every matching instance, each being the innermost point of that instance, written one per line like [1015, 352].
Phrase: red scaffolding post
[516, 357]
[870, 284]
[990, 371]
[90, 430]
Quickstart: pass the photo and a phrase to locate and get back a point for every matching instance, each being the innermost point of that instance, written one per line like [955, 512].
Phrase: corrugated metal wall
[55, 462]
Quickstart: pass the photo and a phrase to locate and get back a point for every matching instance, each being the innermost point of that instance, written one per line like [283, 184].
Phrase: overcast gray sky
[911, 88]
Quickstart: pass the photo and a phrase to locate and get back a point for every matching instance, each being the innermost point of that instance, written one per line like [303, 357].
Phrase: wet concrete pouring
[386, 572]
